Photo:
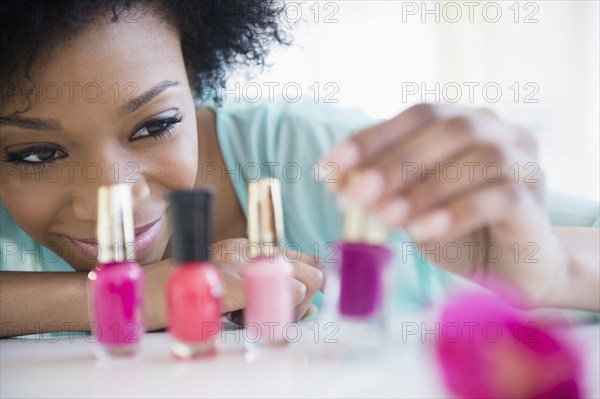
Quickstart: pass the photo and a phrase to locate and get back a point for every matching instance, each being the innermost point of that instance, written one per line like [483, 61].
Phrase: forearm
[40, 302]
[580, 288]
[32, 302]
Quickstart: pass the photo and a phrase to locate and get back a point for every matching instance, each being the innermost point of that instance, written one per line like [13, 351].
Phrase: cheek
[177, 163]
[32, 215]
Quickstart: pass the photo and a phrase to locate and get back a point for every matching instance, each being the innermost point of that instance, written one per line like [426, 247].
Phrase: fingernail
[431, 226]
[395, 212]
[344, 157]
[367, 187]
[301, 294]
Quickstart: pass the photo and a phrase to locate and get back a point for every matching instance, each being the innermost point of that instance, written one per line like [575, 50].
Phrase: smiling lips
[144, 238]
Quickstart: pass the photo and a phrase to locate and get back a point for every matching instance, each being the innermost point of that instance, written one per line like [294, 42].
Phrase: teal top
[286, 141]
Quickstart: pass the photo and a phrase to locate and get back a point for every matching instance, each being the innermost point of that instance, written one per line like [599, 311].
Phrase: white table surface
[311, 367]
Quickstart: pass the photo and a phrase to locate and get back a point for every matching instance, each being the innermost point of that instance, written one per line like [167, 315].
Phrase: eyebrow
[30, 123]
[135, 103]
[50, 124]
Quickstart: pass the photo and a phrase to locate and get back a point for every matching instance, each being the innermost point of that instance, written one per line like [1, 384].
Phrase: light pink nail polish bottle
[267, 275]
[116, 284]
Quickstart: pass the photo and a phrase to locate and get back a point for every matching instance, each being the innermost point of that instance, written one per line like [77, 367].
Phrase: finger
[373, 142]
[407, 163]
[237, 317]
[469, 213]
[234, 300]
[376, 139]
[311, 260]
[311, 276]
[299, 291]
[230, 251]
[294, 256]
[312, 310]
[234, 296]
[472, 170]
[311, 279]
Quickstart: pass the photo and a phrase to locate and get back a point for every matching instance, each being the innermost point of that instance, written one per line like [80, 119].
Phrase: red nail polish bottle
[194, 290]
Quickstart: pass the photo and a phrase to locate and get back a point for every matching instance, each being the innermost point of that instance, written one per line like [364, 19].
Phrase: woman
[103, 92]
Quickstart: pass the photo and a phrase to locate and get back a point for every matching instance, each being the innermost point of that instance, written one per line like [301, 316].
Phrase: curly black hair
[215, 34]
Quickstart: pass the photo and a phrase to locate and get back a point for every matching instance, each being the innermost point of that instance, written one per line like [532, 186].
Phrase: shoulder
[285, 141]
[283, 130]
[281, 114]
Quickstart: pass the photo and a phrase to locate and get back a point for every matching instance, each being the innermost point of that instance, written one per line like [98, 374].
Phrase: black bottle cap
[191, 212]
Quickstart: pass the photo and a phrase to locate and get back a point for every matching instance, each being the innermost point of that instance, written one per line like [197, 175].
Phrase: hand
[229, 257]
[155, 300]
[459, 178]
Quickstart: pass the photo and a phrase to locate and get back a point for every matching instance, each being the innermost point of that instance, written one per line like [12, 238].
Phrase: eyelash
[170, 123]
[18, 157]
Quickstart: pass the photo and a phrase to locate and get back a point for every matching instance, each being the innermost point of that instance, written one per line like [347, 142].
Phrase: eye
[37, 155]
[44, 155]
[157, 128]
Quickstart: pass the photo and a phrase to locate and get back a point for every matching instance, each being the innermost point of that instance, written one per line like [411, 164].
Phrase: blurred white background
[536, 63]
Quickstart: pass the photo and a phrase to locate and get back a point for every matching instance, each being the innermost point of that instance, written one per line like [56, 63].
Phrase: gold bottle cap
[360, 225]
[114, 227]
[265, 217]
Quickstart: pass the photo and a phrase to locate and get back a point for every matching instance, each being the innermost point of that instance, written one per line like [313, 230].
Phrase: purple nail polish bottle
[364, 269]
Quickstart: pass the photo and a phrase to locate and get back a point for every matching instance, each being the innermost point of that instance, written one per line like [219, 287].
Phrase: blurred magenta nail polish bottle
[525, 357]
[194, 289]
[267, 275]
[364, 268]
[116, 284]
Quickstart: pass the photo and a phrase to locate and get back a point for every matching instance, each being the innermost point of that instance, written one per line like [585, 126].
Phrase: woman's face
[111, 106]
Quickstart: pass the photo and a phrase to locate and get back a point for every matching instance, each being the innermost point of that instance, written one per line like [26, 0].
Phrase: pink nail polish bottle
[267, 275]
[364, 272]
[116, 284]
[194, 289]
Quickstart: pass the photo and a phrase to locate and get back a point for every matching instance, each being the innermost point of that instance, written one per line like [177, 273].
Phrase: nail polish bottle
[267, 274]
[194, 289]
[364, 271]
[116, 284]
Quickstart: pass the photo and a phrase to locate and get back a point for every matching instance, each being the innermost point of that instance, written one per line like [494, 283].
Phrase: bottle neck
[192, 264]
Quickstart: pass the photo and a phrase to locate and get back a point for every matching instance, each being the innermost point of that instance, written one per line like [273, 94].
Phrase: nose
[84, 201]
